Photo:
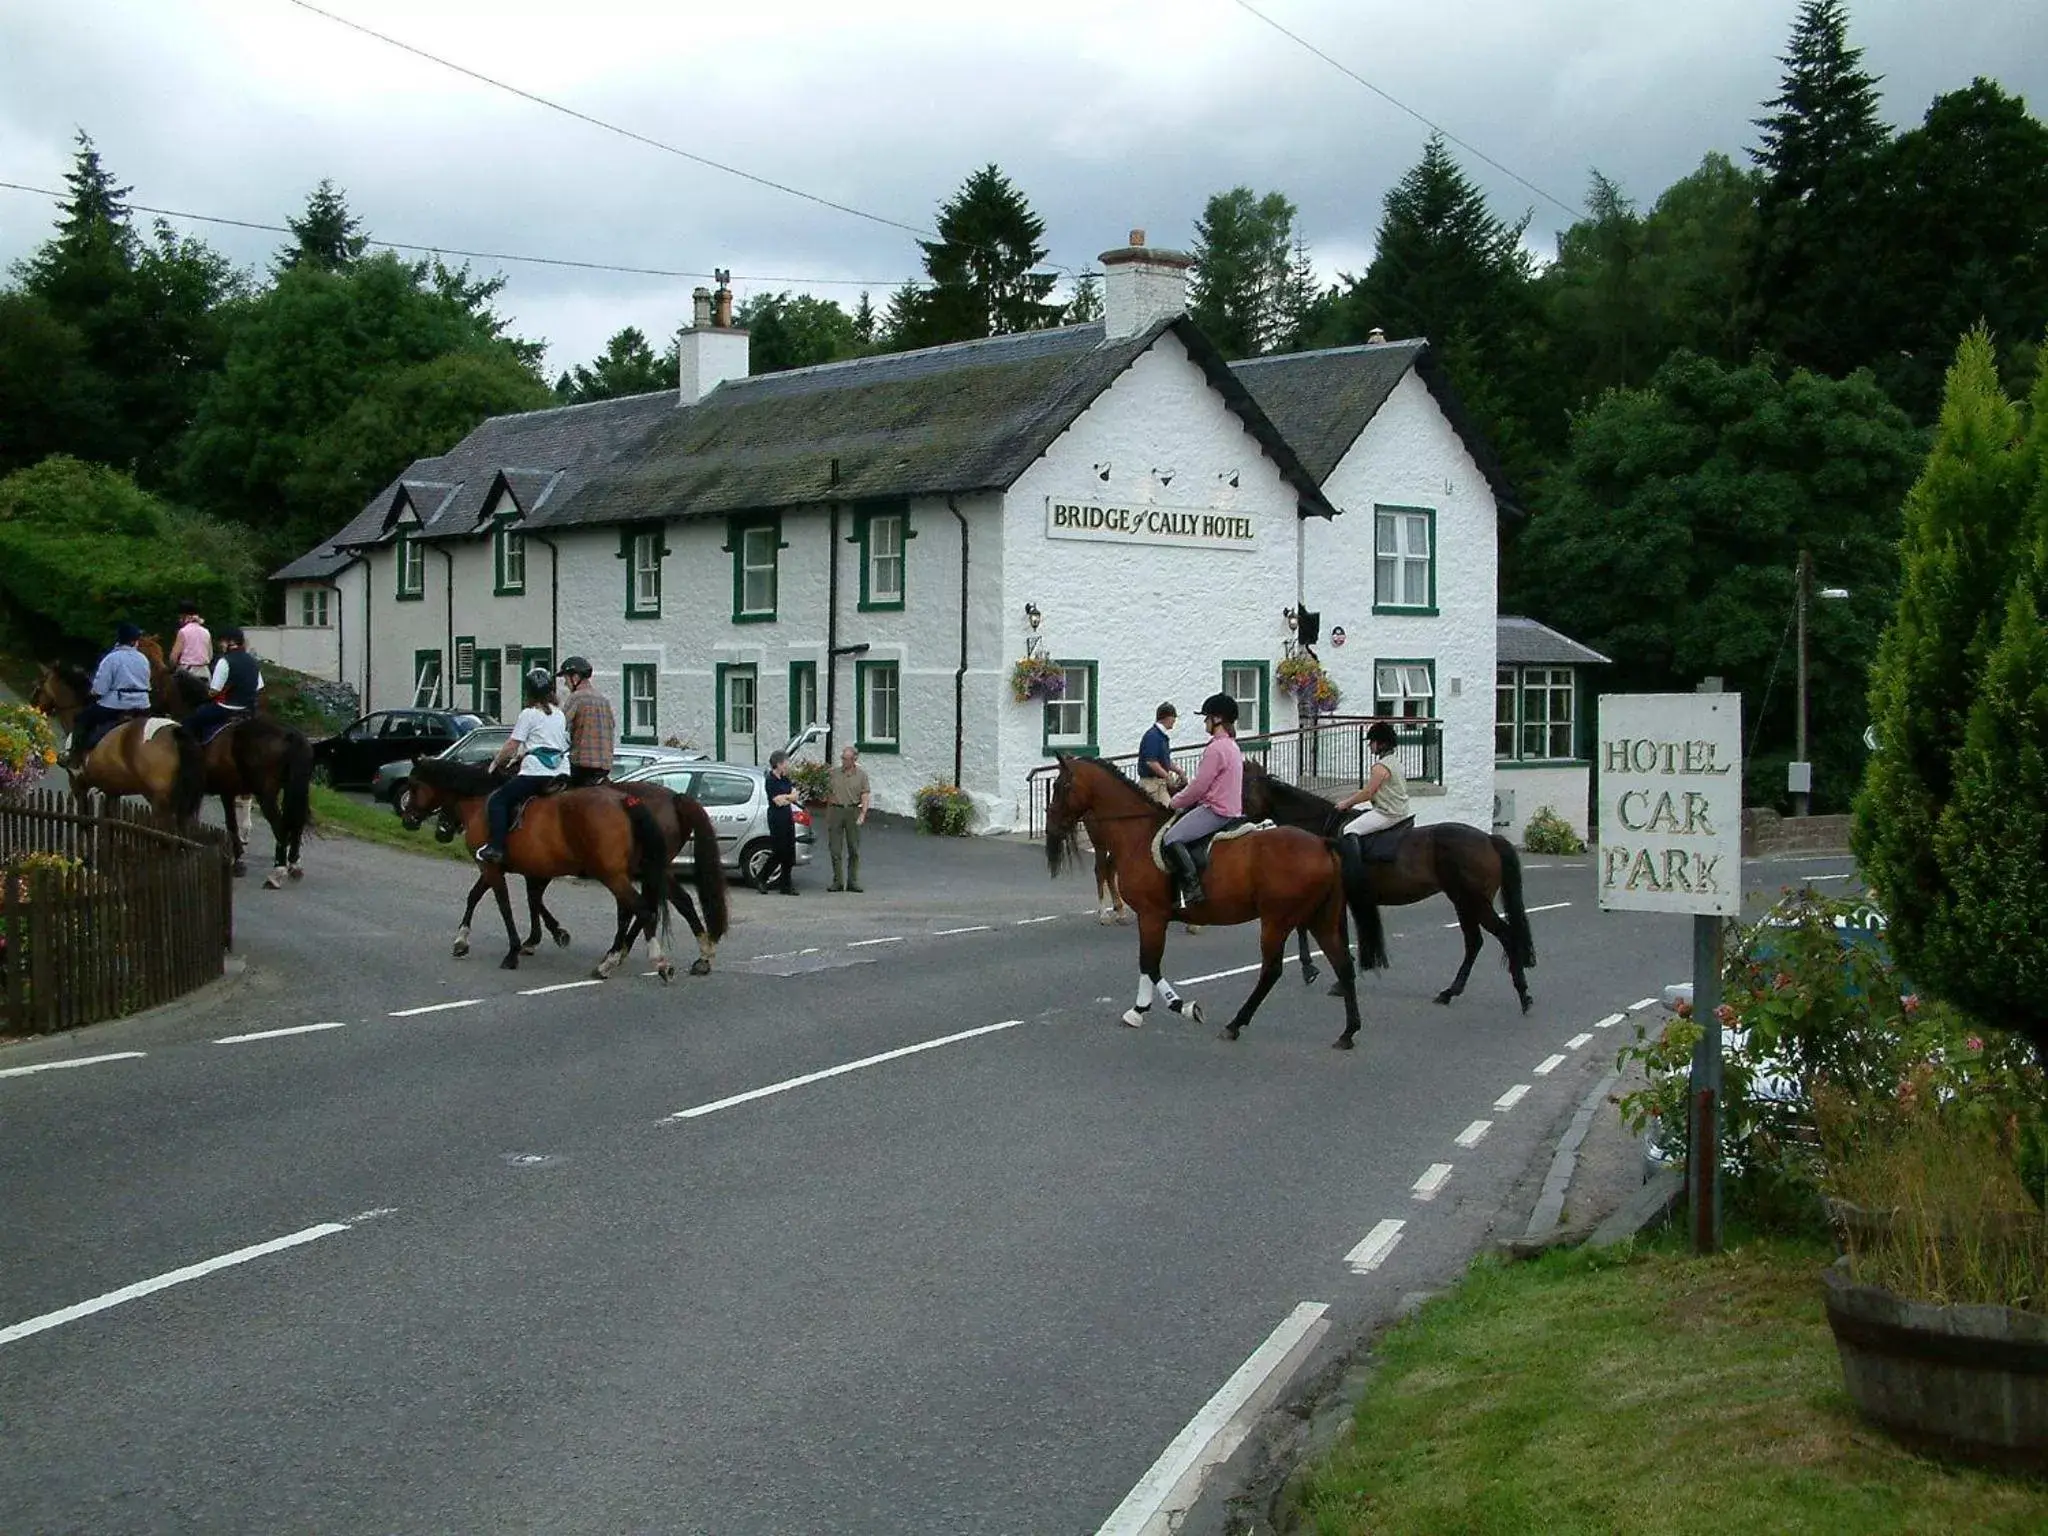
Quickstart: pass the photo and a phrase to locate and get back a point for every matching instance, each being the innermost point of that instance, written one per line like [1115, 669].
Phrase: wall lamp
[1228, 476]
[1288, 615]
[1102, 471]
[1164, 476]
[1032, 616]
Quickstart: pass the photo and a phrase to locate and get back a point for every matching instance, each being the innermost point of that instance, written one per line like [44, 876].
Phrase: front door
[738, 714]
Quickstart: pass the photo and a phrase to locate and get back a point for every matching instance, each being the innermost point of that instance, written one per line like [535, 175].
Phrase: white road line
[560, 986]
[1217, 1430]
[1026, 922]
[947, 933]
[1641, 1003]
[75, 1061]
[851, 1066]
[1611, 1020]
[1551, 907]
[1842, 876]
[1240, 970]
[1548, 1065]
[1474, 1133]
[1510, 1099]
[162, 1282]
[1576, 1041]
[467, 1002]
[864, 943]
[813, 950]
[1370, 1254]
[274, 1034]
[1433, 1179]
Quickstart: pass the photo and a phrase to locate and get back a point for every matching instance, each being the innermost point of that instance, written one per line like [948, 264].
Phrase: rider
[235, 687]
[592, 726]
[1385, 792]
[540, 740]
[192, 649]
[1156, 774]
[120, 691]
[1212, 800]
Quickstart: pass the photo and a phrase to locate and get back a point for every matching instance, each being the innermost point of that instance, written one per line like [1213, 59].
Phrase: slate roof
[1524, 642]
[321, 564]
[1322, 400]
[945, 420]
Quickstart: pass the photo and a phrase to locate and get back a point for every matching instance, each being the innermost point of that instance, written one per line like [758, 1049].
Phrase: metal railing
[1330, 757]
[104, 915]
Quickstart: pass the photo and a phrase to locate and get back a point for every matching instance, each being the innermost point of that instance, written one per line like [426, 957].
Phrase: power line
[1395, 101]
[449, 250]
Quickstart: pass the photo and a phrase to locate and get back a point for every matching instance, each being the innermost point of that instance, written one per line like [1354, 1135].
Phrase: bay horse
[1451, 858]
[624, 840]
[259, 757]
[154, 758]
[1281, 878]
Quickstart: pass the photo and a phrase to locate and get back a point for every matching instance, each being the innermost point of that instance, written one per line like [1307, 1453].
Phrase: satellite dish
[1870, 737]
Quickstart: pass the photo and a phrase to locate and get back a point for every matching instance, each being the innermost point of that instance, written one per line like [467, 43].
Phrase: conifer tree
[984, 268]
[1244, 265]
[627, 366]
[1086, 304]
[866, 323]
[326, 236]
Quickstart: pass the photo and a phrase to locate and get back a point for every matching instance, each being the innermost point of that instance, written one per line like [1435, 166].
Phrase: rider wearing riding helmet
[1385, 792]
[1211, 800]
[593, 728]
[540, 740]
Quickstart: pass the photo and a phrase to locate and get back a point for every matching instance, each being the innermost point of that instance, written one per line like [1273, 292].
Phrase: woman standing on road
[777, 874]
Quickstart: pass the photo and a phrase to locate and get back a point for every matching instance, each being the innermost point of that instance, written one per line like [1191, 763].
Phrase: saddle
[1199, 850]
[554, 787]
[225, 726]
[1383, 846]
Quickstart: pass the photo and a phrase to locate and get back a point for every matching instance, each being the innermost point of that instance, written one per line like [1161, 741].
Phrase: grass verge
[336, 812]
[1651, 1392]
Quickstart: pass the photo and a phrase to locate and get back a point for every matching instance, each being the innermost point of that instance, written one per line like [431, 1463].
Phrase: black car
[350, 759]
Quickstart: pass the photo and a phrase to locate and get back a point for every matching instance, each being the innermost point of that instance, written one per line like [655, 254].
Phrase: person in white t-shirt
[540, 741]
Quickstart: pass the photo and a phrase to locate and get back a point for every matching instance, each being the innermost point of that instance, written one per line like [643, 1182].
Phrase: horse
[1281, 878]
[621, 839]
[154, 758]
[259, 757]
[1106, 891]
[1469, 866]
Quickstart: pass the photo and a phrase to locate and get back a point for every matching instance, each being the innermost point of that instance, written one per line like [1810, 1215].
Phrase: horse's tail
[297, 801]
[650, 854]
[694, 823]
[1522, 942]
[188, 779]
[1365, 912]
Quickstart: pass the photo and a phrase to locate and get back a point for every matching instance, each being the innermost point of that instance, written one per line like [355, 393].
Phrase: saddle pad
[155, 726]
[1383, 846]
[1241, 829]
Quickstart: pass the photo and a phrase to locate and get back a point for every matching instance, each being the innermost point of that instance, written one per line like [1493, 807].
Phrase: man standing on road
[593, 728]
[192, 649]
[846, 809]
[1156, 774]
[780, 872]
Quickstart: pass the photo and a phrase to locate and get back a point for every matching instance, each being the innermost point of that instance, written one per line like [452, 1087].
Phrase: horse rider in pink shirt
[192, 650]
[1211, 800]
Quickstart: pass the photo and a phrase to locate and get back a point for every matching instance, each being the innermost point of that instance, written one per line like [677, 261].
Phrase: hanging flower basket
[1036, 677]
[812, 782]
[1314, 690]
[28, 746]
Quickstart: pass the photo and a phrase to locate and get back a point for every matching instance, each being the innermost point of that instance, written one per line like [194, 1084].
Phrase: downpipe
[960, 672]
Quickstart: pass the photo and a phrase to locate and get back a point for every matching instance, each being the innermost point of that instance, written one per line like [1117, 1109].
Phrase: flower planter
[1971, 1381]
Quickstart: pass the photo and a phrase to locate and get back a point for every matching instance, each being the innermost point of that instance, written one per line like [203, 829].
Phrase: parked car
[482, 744]
[350, 758]
[735, 796]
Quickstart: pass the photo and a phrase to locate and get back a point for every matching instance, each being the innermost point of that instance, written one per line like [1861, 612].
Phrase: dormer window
[412, 565]
[508, 558]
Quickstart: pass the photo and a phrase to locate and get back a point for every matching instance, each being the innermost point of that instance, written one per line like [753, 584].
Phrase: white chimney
[713, 349]
[1142, 285]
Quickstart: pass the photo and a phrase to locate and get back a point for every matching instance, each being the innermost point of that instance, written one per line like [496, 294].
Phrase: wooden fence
[104, 915]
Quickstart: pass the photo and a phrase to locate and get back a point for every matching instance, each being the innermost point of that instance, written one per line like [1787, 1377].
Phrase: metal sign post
[1670, 820]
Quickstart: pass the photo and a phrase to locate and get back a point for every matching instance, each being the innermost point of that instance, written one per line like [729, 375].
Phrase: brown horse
[1281, 878]
[260, 758]
[155, 758]
[1469, 866]
[608, 833]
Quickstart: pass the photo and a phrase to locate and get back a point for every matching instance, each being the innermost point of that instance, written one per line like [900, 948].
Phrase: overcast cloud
[1108, 113]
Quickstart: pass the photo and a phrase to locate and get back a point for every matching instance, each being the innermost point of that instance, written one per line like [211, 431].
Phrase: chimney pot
[700, 306]
[1375, 337]
[712, 350]
[1137, 237]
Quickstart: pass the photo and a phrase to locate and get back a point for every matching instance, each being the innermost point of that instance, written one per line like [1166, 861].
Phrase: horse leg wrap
[1168, 996]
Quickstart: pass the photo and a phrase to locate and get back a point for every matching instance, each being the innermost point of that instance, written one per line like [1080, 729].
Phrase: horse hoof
[527, 949]
[1528, 1003]
[1230, 1032]
[297, 873]
[599, 973]
[1342, 1043]
[1445, 998]
[274, 881]
[1104, 918]
[1123, 919]
[510, 962]
[561, 938]
[1194, 1013]
[666, 972]
[1336, 989]
[700, 967]
[1310, 975]
[1134, 1019]
[241, 869]
[461, 948]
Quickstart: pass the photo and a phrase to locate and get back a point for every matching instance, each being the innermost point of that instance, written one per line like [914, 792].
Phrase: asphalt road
[974, 1287]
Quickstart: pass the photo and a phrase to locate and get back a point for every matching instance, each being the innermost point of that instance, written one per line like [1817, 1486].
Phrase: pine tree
[627, 366]
[984, 268]
[1821, 256]
[79, 271]
[1086, 304]
[1243, 266]
[326, 236]
[1300, 301]
[866, 323]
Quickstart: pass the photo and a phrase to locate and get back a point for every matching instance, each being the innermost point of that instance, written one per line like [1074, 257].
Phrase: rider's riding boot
[490, 854]
[1185, 875]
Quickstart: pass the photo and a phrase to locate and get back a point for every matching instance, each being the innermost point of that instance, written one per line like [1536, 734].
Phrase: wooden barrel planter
[1968, 1381]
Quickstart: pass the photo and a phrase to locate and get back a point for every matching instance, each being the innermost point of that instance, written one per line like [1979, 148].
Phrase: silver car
[735, 796]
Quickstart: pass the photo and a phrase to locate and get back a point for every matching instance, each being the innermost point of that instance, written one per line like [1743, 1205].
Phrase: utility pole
[1802, 767]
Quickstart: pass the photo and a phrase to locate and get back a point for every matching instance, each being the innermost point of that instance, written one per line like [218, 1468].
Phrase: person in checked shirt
[593, 728]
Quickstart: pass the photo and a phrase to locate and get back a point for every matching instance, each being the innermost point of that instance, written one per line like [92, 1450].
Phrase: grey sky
[1108, 113]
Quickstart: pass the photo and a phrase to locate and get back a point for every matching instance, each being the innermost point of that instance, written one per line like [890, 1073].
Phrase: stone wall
[1765, 833]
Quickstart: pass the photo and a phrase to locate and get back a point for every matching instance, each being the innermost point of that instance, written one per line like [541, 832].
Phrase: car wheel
[401, 796]
[754, 863]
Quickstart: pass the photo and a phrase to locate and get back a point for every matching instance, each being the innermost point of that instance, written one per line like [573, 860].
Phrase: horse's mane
[465, 781]
[73, 676]
[1287, 802]
[153, 649]
[1122, 782]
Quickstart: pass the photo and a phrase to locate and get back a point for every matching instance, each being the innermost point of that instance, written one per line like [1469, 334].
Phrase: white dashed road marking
[1641, 1003]
[1576, 1041]
[844, 1067]
[274, 1034]
[560, 986]
[1552, 907]
[467, 1002]
[142, 1288]
[1548, 1065]
[864, 943]
[1370, 1254]
[1474, 1133]
[947, 933]
[1026, 922]
[76, 1061]
[1433, 1179]
[1610, 1021]
[1510, 1099]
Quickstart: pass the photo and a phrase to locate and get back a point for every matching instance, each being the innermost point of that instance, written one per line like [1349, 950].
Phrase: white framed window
[647, 572]
[426, 680]
[640, 701]
[511, 561]
[1404, 560]
[758, 546]
[1245, 681]
[1070, 718]
[1404, 690]
[879, 720]
[882, 576]
[1548, 700]
[412, 566]
[313, 608]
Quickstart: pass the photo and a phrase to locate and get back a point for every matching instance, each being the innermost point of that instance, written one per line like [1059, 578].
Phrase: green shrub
[1549, 832]
[812, 781]
[944, 809]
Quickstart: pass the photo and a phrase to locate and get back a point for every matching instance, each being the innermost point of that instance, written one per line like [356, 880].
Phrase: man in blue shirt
[1156, 774]
[120, 689]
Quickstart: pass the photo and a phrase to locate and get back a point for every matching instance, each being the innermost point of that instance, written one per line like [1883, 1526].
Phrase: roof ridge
[848, 364]
[1363, 346]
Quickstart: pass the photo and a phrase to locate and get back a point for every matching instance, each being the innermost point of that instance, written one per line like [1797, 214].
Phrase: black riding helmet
[1381, 734]
[575, 666]
[540, 682]
[1220, 706]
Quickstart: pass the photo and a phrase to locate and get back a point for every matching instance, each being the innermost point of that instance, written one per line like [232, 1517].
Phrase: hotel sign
[1190, 527]
[1670, 790]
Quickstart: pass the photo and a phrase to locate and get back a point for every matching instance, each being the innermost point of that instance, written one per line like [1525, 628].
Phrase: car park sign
[1670, 793]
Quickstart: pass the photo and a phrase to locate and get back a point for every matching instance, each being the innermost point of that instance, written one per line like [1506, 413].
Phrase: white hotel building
[860, 544]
